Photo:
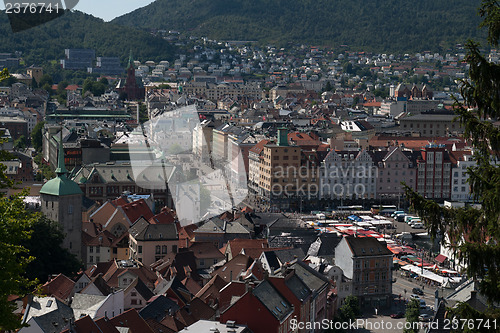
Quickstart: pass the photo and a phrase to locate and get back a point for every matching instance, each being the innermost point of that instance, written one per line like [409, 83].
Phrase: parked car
[417, 291]
[424, 317]
[422, 304]
[417, 225]
[396, 213]
[414, 296]
[401, 217]
[397, 315]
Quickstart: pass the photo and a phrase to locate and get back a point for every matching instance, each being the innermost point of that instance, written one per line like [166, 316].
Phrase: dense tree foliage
[45, 245]
[97, 88]
[412, 313]
[474, 234]
[77, 30]
[15, 223]
[36, 136]
[383, 25]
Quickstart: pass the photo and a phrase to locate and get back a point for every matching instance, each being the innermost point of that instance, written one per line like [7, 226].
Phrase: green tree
[14, 257]
[45, 245]
[350, 309]
[412, 313]
[474, 234]
[20, 143]
[45, 79]
[37, 136]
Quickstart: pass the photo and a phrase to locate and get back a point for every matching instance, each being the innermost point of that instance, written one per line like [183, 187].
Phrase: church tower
[61, 201]
[132, 86]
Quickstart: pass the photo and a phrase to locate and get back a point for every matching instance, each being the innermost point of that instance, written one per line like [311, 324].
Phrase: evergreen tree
[474, 234]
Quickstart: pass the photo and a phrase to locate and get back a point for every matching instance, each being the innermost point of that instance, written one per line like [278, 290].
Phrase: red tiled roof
[191, 285]
[166, 216]
[136, 209]
[72, 87]
[213, 287]
[259, 146]
[84, 325]
[119, 201]
[172, 323]
[236, 245]
[60, 287]
[255, 253]
[203, 250]
[132, 320]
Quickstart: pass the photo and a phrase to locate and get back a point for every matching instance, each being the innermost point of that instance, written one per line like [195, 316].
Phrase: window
[164, 249]
[97, 249]
[91, 259]
[157, 249]
[140, 248]
[202, 262]
[70, 209]
[91, 249]
[174, 248]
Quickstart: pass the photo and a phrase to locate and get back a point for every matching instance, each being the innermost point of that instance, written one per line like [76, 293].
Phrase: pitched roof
[172, 323]
[60, 287]
[141, 288]
[191, 285]
[236, 245]
[158, 327]
[86, 325]
[272, 300]
[202, 250]
[145, 231]
[160, 307]
[132, 320]
[50, 314]
[366, 246]
[289, 255]
[259, 147]
[99, 283]
[216, 225]
[324, 245]
[135, 210]
[312, 279]
[234, 267]
[213, 286]
[166, 216]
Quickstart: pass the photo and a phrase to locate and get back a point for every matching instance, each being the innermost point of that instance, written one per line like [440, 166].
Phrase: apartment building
[434, 172]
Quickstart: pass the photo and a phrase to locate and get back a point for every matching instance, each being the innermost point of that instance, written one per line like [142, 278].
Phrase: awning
[441, 258]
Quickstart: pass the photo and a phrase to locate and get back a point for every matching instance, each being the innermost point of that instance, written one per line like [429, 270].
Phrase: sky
[109, 9]
[105, 9]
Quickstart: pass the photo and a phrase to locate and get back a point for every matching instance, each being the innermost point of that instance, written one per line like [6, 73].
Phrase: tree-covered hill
[78, 30]
[384, 25]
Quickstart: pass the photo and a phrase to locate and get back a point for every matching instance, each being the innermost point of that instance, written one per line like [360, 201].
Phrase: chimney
[249, 285]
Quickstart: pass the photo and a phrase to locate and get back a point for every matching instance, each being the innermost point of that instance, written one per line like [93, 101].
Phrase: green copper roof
[60, 186]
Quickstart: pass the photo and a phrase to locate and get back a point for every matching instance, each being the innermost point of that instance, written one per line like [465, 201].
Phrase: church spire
[61, 168]
[130, 60]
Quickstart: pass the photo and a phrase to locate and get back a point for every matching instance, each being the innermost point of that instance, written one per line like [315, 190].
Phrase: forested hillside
[78, 30]
[384, 25]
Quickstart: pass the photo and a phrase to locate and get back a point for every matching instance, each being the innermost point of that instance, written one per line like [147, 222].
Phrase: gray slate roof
[272, 300]
[367, 246]
[145, 231]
